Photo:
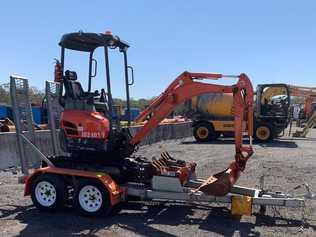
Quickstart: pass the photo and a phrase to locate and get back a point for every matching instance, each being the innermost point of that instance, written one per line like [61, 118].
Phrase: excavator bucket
[221, 183]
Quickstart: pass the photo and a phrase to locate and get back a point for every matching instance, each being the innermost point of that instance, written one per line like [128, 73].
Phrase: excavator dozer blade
[221, 183]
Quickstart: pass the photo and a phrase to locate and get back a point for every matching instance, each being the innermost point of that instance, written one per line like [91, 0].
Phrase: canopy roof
[88, 42]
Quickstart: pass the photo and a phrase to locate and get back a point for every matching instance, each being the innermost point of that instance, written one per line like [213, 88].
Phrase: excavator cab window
[273, 100]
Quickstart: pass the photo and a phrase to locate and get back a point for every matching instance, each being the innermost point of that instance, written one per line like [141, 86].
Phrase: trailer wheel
[92, 199]
[204, 132]
[48, 192]
[263, 133]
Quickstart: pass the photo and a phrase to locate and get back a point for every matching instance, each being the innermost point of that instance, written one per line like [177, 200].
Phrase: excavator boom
[186, 86]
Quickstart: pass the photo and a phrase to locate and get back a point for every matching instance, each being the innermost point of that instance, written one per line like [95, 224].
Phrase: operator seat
[72, 86]
[75, 97]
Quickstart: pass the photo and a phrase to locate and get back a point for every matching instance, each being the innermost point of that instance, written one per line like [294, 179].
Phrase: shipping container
[5, 112]
[37, 114]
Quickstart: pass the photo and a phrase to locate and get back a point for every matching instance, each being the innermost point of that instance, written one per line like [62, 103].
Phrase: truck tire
[92, 199]
[263, 133]
[49, 192]
[204, 132]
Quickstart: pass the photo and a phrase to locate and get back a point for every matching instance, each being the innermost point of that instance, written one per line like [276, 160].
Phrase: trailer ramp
[23, 119]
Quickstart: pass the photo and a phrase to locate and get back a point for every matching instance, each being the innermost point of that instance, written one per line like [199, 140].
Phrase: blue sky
[271, 41]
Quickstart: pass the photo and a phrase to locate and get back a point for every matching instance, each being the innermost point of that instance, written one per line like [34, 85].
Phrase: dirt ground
[285, 164]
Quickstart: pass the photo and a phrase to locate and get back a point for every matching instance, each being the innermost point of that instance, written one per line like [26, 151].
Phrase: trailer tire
[49, 192]
[92, 199]
[204, 132]
[263, 133]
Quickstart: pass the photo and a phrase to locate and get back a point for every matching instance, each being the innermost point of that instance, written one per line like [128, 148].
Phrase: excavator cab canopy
[88, 42]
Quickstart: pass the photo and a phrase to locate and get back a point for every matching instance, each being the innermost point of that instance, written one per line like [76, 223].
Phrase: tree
[36, 96]
[4, 94]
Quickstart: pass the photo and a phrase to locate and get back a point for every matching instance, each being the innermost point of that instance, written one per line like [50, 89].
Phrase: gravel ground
[285, 164]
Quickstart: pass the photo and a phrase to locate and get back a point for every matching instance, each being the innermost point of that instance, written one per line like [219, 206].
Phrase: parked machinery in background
[212, 113]
[307, 97]
[307, 115]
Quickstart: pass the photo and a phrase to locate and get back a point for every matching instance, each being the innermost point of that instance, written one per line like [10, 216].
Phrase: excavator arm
[188, 85]
[182, 88]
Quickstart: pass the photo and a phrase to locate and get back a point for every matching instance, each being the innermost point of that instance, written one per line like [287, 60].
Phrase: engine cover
[80, 124]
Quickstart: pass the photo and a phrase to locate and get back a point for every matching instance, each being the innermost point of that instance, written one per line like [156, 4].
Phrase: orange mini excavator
[99, 149]
[87, 126]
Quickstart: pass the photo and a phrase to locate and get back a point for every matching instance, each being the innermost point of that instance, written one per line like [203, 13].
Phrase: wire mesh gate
[52, 92]
[22, 114]
[23, 119]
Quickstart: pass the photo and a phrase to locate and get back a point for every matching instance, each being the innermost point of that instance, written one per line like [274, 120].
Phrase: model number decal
[93, 134]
